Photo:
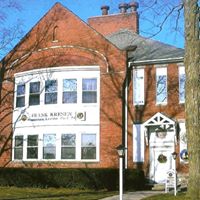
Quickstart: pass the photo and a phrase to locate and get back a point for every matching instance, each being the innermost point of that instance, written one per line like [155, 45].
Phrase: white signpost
[171, 181]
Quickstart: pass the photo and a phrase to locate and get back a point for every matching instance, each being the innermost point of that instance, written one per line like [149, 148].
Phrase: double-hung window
[20, 99]
[89, 90]
[161, 85]
[182, 84]
[49, 146]
[34, 93]
[70, 91]
[50, 91]
[32, 147]
[138, 86]
[18, 147]
[88, 146]
[68, 146]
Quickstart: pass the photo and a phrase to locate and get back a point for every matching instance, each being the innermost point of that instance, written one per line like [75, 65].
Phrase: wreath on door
[162, 158]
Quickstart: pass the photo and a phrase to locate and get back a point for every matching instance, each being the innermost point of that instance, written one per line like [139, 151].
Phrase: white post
[120, 178]
[175, 184]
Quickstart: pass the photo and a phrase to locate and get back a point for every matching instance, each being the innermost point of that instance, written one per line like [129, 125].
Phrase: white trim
[181, 71]
[141, 89]
[158, 119]
[138, 143]
[57, 69]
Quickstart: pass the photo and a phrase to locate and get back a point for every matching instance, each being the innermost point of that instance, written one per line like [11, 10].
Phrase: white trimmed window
[89, 90]
[182, 84]
[34, 93]
[68, 146]
[69, 91]
[32, 147]
[18, 147]
[49, 146]
[161, 85]
[50, 91]
[138, 86]
[88, 146]
[20, 96]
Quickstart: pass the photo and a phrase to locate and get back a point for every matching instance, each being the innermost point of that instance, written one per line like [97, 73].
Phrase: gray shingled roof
[147, 50]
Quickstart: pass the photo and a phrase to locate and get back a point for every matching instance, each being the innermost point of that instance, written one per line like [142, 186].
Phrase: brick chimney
[127, 18]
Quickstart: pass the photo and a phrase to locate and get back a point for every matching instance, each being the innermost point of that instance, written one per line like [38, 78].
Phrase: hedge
[71, 178]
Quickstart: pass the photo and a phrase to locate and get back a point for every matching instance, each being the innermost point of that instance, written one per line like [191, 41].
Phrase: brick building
[72, 92]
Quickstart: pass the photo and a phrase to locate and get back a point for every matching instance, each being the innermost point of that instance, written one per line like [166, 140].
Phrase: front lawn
[13, 193]
[180, 196]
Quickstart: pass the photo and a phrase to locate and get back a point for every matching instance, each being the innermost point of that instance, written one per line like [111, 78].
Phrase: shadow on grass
[84, 195]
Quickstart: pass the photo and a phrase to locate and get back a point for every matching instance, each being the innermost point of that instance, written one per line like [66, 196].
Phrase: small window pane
[51, 98]
[50, 86]
[20, 102]
[89, 87]
[90, 84]
[49, 146]
[20, 89]
[35, 87]
[18, 148]
[88, 146]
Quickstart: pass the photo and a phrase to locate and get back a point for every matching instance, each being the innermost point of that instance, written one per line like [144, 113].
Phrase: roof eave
[157, 61]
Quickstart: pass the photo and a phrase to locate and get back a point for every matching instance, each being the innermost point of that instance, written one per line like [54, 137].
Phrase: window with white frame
[68, 146]
[69, 91]
[18, 147]
[182, 84]
[20, 96]
[138, 86]
[32, 147]
[88, 146]
[57, 88]
[34, 93]
[49, 146]
[76, 146]
[89, 90]
[161, 85]
[50, 91]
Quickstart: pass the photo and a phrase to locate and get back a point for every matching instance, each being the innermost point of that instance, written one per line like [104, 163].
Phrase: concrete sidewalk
[135, 195]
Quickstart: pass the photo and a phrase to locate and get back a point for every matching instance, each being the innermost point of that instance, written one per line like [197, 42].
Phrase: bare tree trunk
[192, 65]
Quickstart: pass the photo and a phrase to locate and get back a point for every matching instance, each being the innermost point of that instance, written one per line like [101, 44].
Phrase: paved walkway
[134, 195]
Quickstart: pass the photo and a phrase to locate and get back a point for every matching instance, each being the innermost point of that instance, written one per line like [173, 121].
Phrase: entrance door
[160, 158]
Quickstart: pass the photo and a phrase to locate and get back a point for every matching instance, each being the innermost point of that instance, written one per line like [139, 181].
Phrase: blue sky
[33, 10]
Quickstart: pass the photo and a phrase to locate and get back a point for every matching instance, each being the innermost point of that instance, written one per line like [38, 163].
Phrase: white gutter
[155, 61]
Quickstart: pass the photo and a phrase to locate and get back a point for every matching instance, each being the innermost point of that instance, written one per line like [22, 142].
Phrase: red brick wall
[77, 44]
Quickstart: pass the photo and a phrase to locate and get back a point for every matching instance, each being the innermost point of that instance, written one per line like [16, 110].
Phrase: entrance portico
[160, 135]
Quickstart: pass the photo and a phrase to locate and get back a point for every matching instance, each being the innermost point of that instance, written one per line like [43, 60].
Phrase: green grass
[13, 193]
[180, 196]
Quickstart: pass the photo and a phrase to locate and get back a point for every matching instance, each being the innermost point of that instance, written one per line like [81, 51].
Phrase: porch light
[174, 155]
[121, 150]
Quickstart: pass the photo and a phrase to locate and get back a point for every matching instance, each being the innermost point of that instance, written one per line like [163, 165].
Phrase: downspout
[125, 95]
